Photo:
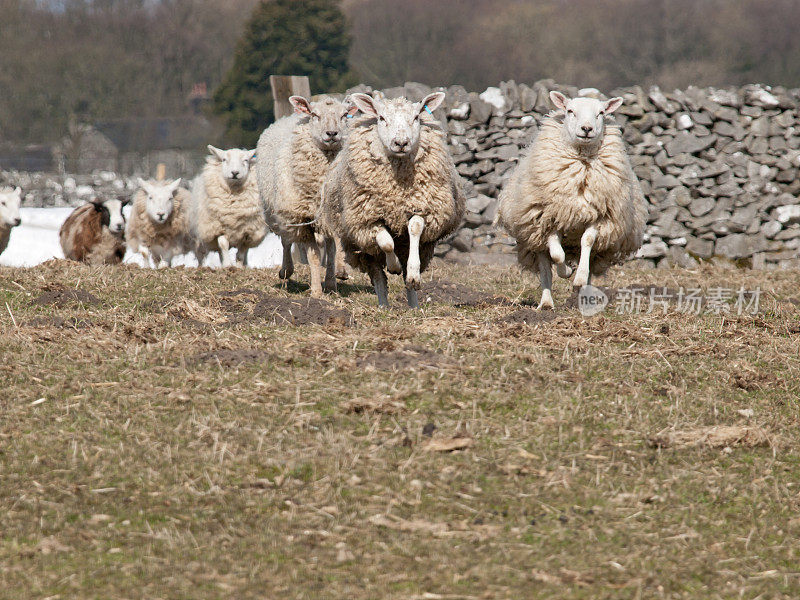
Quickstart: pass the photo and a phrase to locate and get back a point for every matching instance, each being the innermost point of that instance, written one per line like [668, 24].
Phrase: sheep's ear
[145, 185]
[431, 102]
[251, 155]
[18, 191]
[220, 154]
[365, 103]
[559, 100]
[173, 187]
[98, 203]
[301, 105]
[350, 108]
[611, 105]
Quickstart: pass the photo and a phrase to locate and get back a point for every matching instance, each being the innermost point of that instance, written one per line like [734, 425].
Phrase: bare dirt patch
[442, 291]
[59, 322]
[410, 357]
[249, 305]
[232, 358]
[61, 297]
[529, 316]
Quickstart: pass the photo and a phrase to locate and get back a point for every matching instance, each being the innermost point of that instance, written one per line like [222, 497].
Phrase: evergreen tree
[283, 37]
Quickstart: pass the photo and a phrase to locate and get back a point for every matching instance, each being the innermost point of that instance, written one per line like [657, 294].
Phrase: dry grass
[206, 434]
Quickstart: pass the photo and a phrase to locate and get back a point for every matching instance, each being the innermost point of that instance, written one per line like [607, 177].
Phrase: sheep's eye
[382, 119]
[570, 112]
[602, 112]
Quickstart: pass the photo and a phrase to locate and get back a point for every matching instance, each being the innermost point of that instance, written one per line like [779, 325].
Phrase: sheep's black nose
[587, 128]
[332, 134]
[17, 222]
[234, 174]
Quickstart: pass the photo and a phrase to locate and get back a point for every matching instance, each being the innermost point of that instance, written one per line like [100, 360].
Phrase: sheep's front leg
[287, 264]
[545, 280]
[315, 265]
[341, 269]
[587, 241]
[379, 282]
[330, 265]
[557, 256]
[416, 225]
[385, 242]
[224, 251]
[147, 255]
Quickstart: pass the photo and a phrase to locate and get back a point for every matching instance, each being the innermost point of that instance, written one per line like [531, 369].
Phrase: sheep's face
[233, 164]
[328, 120]
[116, 220]
[9, 207]
[399, 121]
[584, 118]
[160, 199]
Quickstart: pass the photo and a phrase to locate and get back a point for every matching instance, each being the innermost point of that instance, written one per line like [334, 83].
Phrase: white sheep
[574, 193]
[94, 233]
[393, 192]
[158, 226]
[294, 154]
[226, 209]
[10, 200]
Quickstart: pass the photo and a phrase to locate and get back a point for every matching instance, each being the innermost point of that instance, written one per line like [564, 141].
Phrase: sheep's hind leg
[385, 242]
[546, 280]
[582, 274]
[379, 282]
[224, 251]
[416, 225]
[287, 264]
[330, 266]
[315, 265]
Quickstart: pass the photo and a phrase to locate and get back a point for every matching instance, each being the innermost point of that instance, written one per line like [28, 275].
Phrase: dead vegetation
[206, 434]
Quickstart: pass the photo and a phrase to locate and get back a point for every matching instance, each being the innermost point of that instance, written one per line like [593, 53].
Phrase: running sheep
[574, 194]
[10, 200]
[393, 192]
[294, 155]
[158, 227]
[226, 209]
[94, 233]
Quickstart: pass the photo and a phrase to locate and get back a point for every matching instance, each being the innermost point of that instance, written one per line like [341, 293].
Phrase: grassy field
[208, 434]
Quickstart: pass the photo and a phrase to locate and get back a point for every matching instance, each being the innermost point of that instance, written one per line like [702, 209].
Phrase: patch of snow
[36, 241]
[495, 97]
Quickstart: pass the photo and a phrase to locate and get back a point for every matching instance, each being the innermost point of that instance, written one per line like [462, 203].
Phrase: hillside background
[65, 61]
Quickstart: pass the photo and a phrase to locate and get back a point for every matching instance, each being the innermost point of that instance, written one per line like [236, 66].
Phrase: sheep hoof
[412, 282]
[329, 286]
[545, 305]
[393, 265]
[285, 274]
[316, 293]
[564, 271]
[581, 279]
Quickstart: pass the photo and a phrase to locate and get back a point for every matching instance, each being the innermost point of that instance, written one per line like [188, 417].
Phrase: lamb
[158, 224]
[393, 192]
[294, 154]
[10, 200]
[226, 209]
[94, 233]
[574, 193]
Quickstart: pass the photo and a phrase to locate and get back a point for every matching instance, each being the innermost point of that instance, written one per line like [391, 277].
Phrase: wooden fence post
[284, 86]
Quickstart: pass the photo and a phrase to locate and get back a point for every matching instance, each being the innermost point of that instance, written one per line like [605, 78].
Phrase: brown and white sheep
[95, 233]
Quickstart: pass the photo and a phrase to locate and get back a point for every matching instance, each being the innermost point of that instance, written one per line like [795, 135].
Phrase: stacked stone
[43, 189]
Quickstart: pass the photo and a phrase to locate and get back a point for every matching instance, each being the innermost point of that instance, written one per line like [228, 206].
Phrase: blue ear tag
[428, 110]
[349, 116]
